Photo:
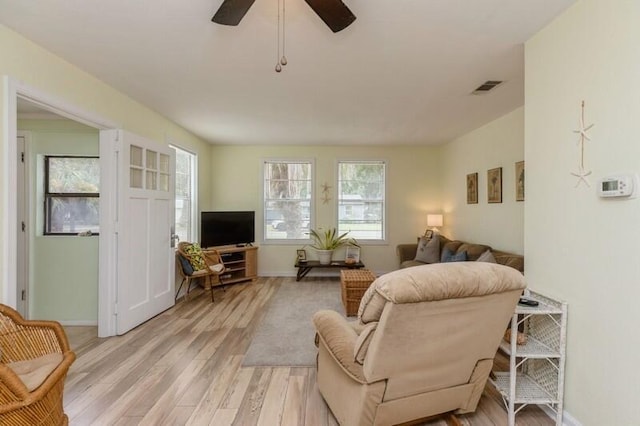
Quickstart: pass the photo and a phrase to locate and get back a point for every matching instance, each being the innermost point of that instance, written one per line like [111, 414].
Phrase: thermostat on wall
[616, 186]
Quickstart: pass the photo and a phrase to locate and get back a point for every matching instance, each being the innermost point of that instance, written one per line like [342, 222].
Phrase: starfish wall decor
[582, 174]
[326, 196]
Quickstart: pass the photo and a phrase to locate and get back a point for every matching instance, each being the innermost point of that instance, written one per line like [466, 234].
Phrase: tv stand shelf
[240, 263]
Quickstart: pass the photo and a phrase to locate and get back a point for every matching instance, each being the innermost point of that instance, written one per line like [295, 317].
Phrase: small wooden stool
[354, 283]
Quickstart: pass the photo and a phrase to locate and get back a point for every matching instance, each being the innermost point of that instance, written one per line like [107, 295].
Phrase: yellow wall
[497, 144]
[413, 190]
[27, 62]
[579, 247]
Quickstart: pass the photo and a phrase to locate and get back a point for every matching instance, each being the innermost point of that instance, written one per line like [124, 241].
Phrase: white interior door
[145, 254]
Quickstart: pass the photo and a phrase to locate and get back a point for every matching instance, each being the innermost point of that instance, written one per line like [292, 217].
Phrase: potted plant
[326, 241]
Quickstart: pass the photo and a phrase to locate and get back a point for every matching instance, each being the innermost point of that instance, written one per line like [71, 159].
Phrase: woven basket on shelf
[354, 283]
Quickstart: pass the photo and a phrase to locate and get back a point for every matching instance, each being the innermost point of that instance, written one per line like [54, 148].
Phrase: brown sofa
[423, 344]
[407, 252]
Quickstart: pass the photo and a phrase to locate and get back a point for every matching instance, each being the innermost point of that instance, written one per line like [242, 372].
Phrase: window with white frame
[361, 198]
[186, 195]
[71, 195]
[288, 189]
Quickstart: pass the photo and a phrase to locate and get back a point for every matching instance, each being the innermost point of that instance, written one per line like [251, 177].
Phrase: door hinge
[23, 227]
[115, 309]
[24, 295]
[22, 157]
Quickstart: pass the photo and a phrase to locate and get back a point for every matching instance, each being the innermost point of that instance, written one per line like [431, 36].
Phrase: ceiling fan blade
[334, 13]
[231, 12]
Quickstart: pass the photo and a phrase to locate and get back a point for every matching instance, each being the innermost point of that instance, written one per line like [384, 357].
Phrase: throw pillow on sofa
[449, 256]
[428, 250]
[487, 256]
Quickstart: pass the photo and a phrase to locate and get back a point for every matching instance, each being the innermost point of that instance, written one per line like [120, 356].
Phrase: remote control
[527, 302]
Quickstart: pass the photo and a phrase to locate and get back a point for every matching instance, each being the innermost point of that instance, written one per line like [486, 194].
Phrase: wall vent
[486, 87]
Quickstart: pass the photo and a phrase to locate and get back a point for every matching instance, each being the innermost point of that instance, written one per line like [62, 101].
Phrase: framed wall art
[301, 255]
[494, 185]
[472, 188]
[520, 181]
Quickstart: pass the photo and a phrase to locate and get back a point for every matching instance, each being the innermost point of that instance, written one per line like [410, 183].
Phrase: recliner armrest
[339, 337]
[406, 252]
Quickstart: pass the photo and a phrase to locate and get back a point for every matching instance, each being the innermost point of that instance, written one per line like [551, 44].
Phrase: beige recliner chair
[423, 344]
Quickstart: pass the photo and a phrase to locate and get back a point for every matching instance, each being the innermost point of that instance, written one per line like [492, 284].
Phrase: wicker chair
[213, 262]
[25, 345]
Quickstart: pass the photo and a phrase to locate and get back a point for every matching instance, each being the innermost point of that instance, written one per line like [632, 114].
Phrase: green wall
[63, 270]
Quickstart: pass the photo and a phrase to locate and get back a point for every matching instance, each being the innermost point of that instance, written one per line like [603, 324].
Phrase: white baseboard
[567, 419]
[77, 323]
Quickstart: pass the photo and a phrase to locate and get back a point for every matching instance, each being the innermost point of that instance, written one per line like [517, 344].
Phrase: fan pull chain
[278, 67]
[283, 60]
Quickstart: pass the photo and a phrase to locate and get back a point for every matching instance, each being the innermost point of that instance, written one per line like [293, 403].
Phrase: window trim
[195, 212]
[385, 162]
[312, 202]
[48, 195]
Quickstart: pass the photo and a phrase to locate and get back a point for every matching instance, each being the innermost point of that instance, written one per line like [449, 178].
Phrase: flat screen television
[227, 228]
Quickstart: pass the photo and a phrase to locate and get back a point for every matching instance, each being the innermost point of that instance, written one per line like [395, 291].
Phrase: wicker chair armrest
[12, 391]
[56, 375]
[33, 340]
[212, 257]
[406, 252]
[27, 339]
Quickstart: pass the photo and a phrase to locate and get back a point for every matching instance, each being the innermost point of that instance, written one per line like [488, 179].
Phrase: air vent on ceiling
[486, 87]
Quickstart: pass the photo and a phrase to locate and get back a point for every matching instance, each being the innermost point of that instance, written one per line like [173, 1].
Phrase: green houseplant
[326, 241]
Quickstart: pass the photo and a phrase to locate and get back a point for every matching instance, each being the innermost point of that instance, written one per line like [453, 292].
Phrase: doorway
[58, 267]
[115, 244]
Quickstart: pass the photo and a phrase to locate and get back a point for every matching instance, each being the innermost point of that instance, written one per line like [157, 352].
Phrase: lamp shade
[434, 220]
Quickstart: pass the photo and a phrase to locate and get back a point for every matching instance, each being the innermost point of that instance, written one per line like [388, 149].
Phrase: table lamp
[433, 221]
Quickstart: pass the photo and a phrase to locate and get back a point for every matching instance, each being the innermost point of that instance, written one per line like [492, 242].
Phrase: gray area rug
[285, 336]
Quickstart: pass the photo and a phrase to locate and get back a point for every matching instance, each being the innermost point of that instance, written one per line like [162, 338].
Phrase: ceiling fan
[334, 13]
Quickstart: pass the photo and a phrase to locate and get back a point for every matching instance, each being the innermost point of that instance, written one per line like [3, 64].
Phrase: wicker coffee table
[354, 283]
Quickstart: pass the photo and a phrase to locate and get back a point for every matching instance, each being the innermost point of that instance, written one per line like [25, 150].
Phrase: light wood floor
[184, 367]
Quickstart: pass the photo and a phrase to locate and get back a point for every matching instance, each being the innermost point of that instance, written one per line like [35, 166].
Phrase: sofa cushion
[515, 261]
[460, 256]
[473, 250]
[428, 250]
[486, 257]
[452, 246]
[411, 263]
[33, 372]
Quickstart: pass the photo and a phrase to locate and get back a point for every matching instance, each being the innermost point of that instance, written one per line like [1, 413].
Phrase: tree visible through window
[361, 197]
[72, 191]
[186, 206]
[287, 199]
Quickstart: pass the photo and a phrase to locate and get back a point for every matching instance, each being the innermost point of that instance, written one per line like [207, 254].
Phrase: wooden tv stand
[241, 263]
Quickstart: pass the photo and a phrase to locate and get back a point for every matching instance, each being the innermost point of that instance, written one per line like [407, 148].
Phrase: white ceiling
[402, 73]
